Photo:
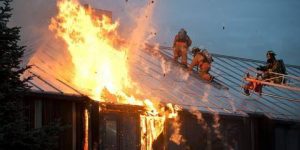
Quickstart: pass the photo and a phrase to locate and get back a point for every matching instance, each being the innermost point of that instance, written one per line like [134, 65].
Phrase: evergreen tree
[14, 130]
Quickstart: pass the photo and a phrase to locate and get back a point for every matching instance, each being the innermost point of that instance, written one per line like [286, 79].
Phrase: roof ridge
[247, 59]
[234, 57]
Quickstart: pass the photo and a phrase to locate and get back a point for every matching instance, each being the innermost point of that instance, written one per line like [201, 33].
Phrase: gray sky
[251, 26]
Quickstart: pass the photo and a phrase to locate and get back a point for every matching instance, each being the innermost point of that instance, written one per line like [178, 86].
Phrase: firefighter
[272, 66]
[180, 46]
[202, 60]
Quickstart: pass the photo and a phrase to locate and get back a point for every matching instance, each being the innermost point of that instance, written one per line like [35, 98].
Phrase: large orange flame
[101, 69]
[98, 65]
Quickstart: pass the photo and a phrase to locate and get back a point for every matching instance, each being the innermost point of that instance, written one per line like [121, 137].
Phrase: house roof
[156, 73]
[276, 103]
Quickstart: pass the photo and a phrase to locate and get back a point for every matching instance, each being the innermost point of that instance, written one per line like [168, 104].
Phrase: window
[111, 135]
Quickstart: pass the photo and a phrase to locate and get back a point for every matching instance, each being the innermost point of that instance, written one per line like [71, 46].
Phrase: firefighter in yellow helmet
[203, 60]
[180, 46]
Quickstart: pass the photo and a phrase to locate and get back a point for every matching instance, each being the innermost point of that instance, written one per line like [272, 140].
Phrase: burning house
[221, 118]
[153, 103]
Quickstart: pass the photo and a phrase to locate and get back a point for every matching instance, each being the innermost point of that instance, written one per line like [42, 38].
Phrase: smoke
[140, 33]
[184, 74]
[166, 66]
[33, 16]
[205, 97]
[51, 54]
[207, 89]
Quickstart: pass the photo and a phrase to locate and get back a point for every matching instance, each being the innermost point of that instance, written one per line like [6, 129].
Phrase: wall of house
[274, 134]
[232, 132]
[226, 133]
[43, 109]
[117, 127]
[287, 137]
[113, 127]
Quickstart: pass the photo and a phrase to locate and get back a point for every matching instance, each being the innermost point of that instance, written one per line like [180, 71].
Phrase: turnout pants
[204, 72]
[180, 50]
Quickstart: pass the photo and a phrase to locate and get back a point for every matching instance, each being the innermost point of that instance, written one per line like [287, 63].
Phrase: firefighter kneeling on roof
[180, 46]
[272, 72]
[203, 60]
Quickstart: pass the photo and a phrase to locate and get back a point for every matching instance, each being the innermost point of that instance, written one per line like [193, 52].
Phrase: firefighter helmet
[182, 30]
[271, 53]
[195, 50]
